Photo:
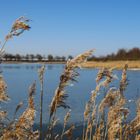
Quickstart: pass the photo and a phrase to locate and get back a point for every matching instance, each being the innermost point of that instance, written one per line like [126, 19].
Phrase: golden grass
[112, 64]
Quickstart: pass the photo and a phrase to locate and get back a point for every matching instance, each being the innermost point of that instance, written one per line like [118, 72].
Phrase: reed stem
[41, 109]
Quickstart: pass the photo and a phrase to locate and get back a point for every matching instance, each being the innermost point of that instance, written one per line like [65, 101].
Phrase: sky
[70, 27]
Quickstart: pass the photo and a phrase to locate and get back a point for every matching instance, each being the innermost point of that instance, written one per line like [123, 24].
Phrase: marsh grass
[103, 120]
[41, 72]
[111, 64]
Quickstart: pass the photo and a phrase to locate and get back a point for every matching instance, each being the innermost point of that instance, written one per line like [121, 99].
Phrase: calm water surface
[19, 76]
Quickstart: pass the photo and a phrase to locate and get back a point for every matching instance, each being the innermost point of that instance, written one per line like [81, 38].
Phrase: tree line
[34, 58]
[121, 54]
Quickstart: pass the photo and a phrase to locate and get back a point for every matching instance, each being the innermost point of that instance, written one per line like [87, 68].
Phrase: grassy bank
[110, 64]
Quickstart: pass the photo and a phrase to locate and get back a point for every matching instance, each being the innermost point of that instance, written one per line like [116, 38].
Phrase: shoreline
[132, 65]
[33, 62]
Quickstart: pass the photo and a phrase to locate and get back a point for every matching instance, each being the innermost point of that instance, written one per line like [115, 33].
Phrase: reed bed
[133, 65]
[103, 120]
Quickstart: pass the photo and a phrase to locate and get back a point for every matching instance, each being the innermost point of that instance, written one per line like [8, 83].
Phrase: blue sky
[63, 27]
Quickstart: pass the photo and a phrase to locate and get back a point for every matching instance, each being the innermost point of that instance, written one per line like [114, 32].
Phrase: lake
[20, 76]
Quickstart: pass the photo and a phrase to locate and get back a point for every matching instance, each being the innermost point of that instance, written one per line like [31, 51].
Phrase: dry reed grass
[134, 65]
[69, 75]
[41, 72]
[105, 120]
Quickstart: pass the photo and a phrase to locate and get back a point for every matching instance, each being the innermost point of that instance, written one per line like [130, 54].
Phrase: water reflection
[29, 66]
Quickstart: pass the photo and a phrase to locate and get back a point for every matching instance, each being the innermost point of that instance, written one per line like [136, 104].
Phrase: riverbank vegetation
[131, 57]
[121, 55]
[133, 65]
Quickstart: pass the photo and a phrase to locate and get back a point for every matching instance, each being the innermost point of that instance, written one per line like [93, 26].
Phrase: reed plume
[124, 81]
[69, 75]
[26, 120]
[104, 72]
[107, 74]
[18, 27]
[113, 101]
[3, 114]
[3, 98]
[22, 129]
[17, 108]
[109, 100]
[49, 135]
[9, 130]
[133, 128]
[118, 113]
[3, 95]
[91, 108]
[69, 132]
[41, 72]
[89, 116]
[66, 119]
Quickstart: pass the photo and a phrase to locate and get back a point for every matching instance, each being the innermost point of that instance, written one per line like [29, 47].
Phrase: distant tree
[121, 54]
[17, 57]
[110, 57]
[70, 57]
[23, 57]
[31, 57]
[50, 57]
[92, 58]
[63, 58]
[6, 56]
[27, 57]
[134, 54]
[44, 57]
[58, 58]
[12, 57]
[39, 57]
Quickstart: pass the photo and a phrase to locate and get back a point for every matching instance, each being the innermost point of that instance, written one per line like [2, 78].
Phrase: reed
[66, 119]
[22, 128]
[19, 26]
[41, 72]
[103, 120]
[69, 75]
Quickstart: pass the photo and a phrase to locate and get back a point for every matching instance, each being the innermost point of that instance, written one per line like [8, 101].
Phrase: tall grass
[103, 120]
[41, 78]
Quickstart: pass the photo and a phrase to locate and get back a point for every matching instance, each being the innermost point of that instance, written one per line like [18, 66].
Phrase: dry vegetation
[134, 65]
[104, 120]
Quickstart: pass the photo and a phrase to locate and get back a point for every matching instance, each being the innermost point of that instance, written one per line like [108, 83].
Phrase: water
[19, 76]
